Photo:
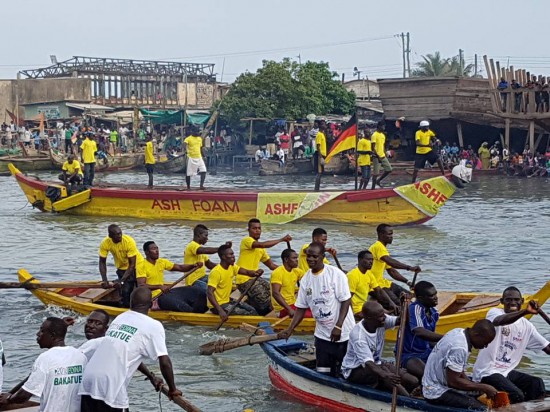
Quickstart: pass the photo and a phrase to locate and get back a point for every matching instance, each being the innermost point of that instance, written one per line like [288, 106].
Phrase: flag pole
[356, 154]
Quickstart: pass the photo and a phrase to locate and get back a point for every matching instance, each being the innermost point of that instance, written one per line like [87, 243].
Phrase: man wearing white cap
[425, 139]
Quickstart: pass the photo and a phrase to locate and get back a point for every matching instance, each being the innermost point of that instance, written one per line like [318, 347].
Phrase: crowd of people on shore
[520, 93]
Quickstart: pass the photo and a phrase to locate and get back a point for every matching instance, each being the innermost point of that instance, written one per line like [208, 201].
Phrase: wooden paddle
[270, 326]
[338, 263]
[238, 301]
[51, 285]
[544, 316]
[178, 400]
[221, 345]
[162, 292]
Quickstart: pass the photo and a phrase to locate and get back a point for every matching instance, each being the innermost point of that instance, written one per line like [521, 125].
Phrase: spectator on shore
[503, 85]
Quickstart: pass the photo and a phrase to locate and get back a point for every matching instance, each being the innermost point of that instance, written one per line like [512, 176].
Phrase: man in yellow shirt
[150, 274]
[252, 252]
[195, 252]
[320, 154]
[383, 262]
[318, 235]
[89, 149]
[126, 257]
[364, 152]
[378, 140]
[220, 282]
[195, 164]
[363, 284]
[149, 159]
[284, 281]
[71, 171]
[425, 139]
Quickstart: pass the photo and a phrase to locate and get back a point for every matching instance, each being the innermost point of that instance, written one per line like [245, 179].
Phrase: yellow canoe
[409, 204]
[457, 309]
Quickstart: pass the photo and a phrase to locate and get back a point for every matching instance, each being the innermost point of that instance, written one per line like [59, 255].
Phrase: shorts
[365, 172]
[195, 166]
[384, 163]
[421, 159]
[405, 357]
[149, 167]
[329, 356]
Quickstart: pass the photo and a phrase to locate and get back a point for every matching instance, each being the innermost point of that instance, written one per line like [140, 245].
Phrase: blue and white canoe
[289, 373]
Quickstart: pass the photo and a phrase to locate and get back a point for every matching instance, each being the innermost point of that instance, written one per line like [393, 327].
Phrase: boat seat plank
[92, 295]
[444, 300]
[302, 357]
[480, 302]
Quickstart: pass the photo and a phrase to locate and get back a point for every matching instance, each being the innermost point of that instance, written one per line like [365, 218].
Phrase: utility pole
[461, 61]
[408, 55]
[404, 58]
[475, 65]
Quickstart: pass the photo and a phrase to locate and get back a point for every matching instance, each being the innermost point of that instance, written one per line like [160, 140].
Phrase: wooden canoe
[292, 370]
[457, 309]
[339, 165]
[25, 164]
[116, 163]
[174, 165]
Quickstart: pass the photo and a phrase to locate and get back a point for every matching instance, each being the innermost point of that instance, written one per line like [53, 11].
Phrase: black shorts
[329, 355]
[421, 159]
[149, 167]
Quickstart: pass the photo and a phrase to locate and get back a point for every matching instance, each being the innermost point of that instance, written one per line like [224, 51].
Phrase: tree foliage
[434, 65]
[287, 89]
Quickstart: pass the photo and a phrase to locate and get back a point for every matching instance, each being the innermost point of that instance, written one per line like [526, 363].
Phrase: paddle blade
[224, 344]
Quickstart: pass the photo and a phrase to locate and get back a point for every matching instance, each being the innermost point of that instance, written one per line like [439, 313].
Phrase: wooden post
[459, 132]
[507, 133]
[531, 134]
[250, 133]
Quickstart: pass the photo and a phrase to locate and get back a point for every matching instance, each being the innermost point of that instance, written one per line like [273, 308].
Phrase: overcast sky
[345, 33]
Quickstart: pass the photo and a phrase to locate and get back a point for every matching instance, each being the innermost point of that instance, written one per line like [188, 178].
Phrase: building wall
[199, 95]
[51, 110]
[6, 100]
[363, 89]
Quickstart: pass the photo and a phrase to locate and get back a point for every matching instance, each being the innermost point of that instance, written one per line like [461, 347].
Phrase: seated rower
[495, 365]
[71, 172]
[220, 281]
[284, 280]
[318, 235]
[445, 380]
[420, 333]
[362, 283]
[363, 362]
[150, 273]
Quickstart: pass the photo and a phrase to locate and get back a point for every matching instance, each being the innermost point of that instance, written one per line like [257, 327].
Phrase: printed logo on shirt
[324, 315]
[309, 292]
[75, 379]
[122, 332]
[505, 331]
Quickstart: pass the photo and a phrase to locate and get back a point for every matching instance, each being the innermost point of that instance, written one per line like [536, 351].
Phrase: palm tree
[434, 65]
[457, 67]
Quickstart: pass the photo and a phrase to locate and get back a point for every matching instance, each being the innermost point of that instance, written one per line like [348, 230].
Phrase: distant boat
[337, 166]
[116, 163]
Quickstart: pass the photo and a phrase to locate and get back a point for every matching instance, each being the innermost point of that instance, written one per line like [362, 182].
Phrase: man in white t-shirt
[444, 374]
[131, 338]
[56, 374]
[324, 289]
[363, 362]
[496, 364]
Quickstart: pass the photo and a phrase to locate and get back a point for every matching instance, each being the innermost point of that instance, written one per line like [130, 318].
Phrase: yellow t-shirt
[302, 260]
[194, 144]
[360, 284]
[222, 280]
[121, 251]
[288, 281]
[364, 145]
[89, 147]
[379, 139]
[423, 137]
[154, 273]
[378, 251]
[321, 141]
[190, 257]
[149, 156]
[250, 258]
[70, 168]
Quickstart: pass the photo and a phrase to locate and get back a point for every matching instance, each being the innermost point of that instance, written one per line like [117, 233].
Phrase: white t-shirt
[131, 338]
[450, 352]
[364, 346]
[505, 351]
[89, 347]
[55, 378]
[323, 294]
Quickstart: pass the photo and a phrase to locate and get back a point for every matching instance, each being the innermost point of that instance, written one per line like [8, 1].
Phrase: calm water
[491, 235]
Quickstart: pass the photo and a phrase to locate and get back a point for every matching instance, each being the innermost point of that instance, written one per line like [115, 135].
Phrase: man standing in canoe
[320, 154]
[318, 235]
[445, 381]
[132, 337]
[150, 274]
[378, 140]
[364, 152]
[56, 374]
[284, 280]
[126, 257]
[196, 252]
[252, 252]
[495, 365]
[420, 335]
[383, 262]
[195, 163]
[363, 284]
[324, 289]
[425, 140]
[220, 283]
[71, 172]
[149, 159]
[89, 149]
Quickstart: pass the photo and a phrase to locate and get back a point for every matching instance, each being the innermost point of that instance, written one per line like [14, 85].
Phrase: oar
[174, 284]
[51, 285]
[338, 263]
[238, 301]
[288, 245]
[222, 345]
[178, 400]
[269, 326]
[544, 316]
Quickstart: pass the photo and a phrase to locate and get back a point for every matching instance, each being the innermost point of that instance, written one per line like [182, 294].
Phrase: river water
[493, 234]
